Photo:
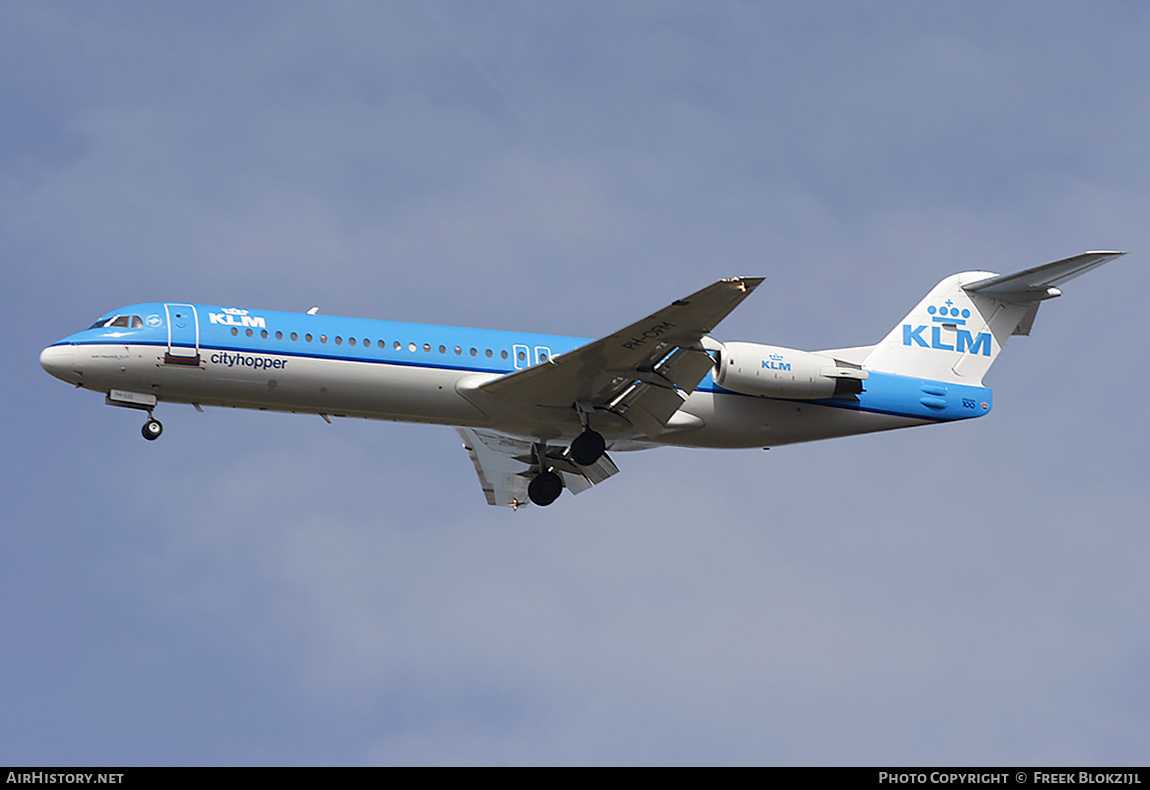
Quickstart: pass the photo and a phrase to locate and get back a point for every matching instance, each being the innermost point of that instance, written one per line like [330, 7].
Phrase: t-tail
[957, 331]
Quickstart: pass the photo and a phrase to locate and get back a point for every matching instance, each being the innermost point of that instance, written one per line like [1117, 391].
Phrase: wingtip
[745, 283]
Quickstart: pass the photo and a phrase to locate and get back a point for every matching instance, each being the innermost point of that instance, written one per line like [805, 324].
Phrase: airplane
[537, 413]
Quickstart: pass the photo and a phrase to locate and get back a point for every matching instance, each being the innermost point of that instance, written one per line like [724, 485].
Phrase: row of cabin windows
[135, 322]
[351, 341]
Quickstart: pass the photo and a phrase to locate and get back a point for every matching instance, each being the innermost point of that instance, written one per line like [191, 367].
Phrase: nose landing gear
[152, 429]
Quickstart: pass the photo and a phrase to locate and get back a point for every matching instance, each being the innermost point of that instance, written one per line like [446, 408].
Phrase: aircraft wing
[640, 371]
[1040, 282]
[505, 466]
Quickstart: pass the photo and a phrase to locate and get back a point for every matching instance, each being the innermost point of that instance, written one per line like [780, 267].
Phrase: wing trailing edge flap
[642, 372]
[505, 466]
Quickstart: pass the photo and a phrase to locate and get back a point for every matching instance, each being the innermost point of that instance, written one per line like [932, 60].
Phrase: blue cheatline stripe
[204, 349]
[900, 396]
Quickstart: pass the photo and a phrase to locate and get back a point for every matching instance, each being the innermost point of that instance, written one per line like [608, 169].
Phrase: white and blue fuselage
[354, 367]
[538, 413]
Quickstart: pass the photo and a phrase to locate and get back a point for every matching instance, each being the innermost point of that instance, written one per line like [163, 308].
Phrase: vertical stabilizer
[958, 330]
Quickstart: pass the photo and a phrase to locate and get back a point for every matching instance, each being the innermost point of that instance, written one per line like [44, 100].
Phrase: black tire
[545, 488]
[587, 448]
[152, 430]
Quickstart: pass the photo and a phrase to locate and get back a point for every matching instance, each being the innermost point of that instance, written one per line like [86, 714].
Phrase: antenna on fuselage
[313, 310]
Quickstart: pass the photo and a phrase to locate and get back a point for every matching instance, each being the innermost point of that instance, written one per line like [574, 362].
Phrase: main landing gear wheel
[587, 448]
[152, 429]
[545, 488]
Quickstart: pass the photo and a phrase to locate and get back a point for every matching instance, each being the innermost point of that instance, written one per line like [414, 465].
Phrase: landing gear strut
[152, 429]
[545, 488]
[588, 446]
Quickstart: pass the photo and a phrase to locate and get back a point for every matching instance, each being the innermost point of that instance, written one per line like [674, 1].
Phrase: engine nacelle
[775, 372]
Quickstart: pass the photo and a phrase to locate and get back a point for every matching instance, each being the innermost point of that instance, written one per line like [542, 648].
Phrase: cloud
[263, 588]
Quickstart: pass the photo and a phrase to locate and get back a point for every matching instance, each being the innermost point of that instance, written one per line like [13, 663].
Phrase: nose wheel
[152, 429]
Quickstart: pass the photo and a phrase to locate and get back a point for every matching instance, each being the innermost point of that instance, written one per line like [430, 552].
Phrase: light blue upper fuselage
[320, 336]
[226, 337]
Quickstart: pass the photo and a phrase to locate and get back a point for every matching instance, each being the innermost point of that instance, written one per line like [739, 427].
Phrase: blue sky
[269, 589]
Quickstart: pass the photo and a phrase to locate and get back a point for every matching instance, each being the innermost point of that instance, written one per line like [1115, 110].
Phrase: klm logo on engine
[231, 316]
[775, 362]
[953, 320]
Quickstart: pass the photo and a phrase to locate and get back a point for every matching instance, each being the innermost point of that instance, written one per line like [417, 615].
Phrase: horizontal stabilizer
[1040, 282]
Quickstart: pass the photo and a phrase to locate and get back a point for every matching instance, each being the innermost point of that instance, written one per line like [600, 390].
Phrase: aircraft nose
[57, 360]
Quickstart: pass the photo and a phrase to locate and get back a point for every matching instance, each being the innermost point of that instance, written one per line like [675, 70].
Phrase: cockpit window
[125, 321]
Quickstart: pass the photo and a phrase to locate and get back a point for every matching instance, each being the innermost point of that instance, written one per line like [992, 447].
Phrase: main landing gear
[152, 429]
[545, 488]
[588, 447]
[547, 485]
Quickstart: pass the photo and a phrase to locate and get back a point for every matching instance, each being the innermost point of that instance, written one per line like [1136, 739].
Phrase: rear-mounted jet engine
[775, 372]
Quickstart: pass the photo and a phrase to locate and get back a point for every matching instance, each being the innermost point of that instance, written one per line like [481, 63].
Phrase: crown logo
[776, 357]
[948, 314]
